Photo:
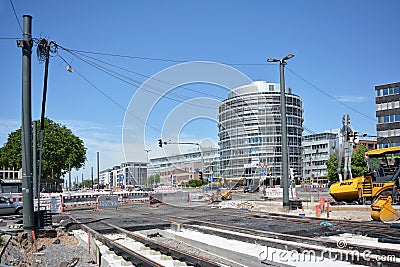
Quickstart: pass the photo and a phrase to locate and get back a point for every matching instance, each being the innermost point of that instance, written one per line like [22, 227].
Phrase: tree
[358, 164]
[154, 179]
[61, 150]
[331, 166]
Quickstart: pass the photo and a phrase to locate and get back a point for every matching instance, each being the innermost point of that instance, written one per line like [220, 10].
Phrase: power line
[164, 59]
[325, 93]
[138, 83]
[109, 97]
[149, 77]
[16, 16]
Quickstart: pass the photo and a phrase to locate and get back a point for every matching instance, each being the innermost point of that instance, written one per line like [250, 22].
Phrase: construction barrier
[277, 192]
[107, 202]
[61, 202]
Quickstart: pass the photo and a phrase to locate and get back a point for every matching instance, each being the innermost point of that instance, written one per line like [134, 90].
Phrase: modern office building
[250, 133]
[317, 148]
[128, 174]
[387, 99]
[179, 169]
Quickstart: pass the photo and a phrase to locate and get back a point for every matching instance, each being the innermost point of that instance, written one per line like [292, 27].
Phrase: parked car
[251, 188]
[7, 206]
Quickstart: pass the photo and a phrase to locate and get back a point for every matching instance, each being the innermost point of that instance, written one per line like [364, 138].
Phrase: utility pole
[27, 164]
[36, 188]
[69, 182]
[147, 167]
[92, 177]
[98, 171]
[284, 138]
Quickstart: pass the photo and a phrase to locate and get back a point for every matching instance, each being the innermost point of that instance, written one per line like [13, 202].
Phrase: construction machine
[379, 186]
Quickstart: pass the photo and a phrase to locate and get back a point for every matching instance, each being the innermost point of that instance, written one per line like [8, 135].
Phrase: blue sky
[342, 50]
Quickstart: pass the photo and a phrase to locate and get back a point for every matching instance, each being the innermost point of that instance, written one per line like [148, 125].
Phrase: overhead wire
[149, 77]
[226, 63]
[136, 83]
[16, 16]
[107, 96]
[164, 59]
[328, 95]
[83, 52]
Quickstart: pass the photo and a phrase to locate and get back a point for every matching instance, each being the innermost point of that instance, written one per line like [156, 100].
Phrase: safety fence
[61, 202]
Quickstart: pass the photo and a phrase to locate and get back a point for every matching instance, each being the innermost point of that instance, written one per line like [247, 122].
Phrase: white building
[250, 132]
[317, 149]
[126, 175]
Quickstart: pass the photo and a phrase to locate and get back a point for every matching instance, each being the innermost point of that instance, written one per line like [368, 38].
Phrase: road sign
[211, 178]
[263, 172]
[121, 177]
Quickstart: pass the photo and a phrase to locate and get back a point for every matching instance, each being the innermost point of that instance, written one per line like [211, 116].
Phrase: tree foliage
[358, 164]
[61, 150]
[195, 183]
[154, 179]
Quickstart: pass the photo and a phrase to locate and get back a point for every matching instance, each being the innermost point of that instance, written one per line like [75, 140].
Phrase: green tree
[154, 179]
[358, 164]
[61, 150]
[331, 166]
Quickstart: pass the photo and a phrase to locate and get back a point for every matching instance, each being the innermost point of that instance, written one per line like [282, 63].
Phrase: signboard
[121, 177]
[278, 192]
[107, 202]
[211, 178]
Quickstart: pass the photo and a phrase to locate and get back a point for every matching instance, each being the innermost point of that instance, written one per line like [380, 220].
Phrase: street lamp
[384, 137]
[147, 154]
[285, 164]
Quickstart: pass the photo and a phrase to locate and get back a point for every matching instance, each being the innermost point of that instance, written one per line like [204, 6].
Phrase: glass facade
[250, 133]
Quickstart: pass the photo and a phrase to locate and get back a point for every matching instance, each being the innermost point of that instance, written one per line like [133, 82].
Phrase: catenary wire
[328, 95]
[164, 59]
[244, 64]
[16, 16]
[138, 83]
[109, 97]
[182, 61]
[149, 77]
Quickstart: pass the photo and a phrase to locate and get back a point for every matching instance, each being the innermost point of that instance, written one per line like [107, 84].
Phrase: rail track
[245, 226]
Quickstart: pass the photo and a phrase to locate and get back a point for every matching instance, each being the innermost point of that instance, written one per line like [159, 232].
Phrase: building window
[385, 91]
[396, 90]
[378, 92]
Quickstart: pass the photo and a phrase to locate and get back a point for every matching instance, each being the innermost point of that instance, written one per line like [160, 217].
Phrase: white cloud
[351, 99]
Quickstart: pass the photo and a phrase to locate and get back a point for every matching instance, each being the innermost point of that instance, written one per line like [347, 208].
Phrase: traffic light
[159, 142]
[201, 177]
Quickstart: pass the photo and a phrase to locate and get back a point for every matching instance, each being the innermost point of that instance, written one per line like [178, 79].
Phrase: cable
[109, 97]
[15, 13]
[325, 93]
[148, 77]
[8, 38]
[138, 83]
[166, 60]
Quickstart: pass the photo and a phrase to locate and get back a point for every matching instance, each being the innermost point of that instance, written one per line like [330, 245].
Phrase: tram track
[229, 224]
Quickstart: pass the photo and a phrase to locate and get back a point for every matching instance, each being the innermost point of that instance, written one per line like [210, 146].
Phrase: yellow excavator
[379, 186]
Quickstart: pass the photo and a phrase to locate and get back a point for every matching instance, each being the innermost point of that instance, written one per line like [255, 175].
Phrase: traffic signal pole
[26, 125]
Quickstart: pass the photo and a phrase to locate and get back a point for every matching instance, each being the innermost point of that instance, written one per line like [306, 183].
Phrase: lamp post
[285, 163]
[384, 137]
[147, 168]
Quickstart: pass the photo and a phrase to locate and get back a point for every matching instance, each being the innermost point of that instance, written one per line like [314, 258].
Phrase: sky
[342, 50]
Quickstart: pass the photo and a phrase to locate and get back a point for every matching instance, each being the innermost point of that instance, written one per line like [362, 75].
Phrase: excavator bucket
[382, 210]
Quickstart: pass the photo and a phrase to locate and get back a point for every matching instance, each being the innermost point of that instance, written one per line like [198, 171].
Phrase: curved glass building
[250, 133]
